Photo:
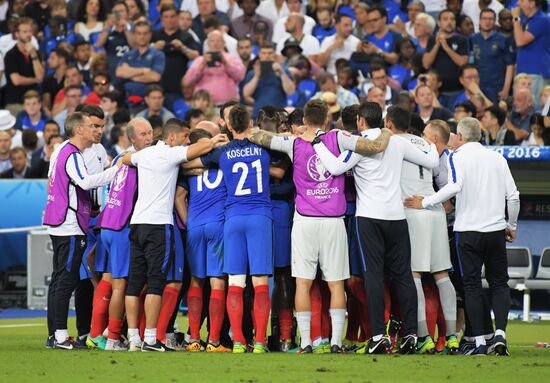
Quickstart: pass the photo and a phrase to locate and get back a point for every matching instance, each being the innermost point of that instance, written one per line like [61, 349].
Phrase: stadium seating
[540, 282]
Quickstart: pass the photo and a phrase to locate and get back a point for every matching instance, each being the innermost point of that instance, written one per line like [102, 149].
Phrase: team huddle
[348, 222]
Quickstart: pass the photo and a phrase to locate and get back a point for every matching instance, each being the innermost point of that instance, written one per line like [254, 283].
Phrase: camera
[215, 58]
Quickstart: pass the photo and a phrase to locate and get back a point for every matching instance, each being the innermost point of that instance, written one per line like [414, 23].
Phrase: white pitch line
[21, 325]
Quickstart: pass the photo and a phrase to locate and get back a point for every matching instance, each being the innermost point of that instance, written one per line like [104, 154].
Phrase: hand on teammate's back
[414, 202]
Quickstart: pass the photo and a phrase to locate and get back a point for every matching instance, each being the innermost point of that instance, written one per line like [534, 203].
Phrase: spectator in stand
[343, 96]
[381, 40]
[90, 17]
[306, 86]
[465, 26]
[207, 8]
[446, 53]
[101, 86]
[361, 26]
[533, 42]
[50, 129]
[402, 71]
[522, 81]
[5, 145]
[494, 56]
[424, 100]
[495, 133]
[73, 97]
[269, 83]
[273, 10]
[474, 8]
[39, 169]
[19, 163]
[325, 24]
[468, 76]
[119, 140]
[32, 116]
[454, 6]
[183, 104]
[83, 60]
[464, 109]
[217, 72]
[242, 26]
[57, 62]
[154, 99]
[72, 77]
[518, 120]
[179, 49]
[203, 101]
[379, 78]
[193, 117]
[9, 40]
[536, 138]
[375, 94]
[294, 28]
[111, 102]
[29, 140]
[136, 9]
[505, 23]
[156, 124]
[23, 68]
[39, 12]
[244, 50]
[424, 26]
[340, 45]
[185, 22]
[212, 23]
[140, 67]
[116, 36]
[279, 29]
[347, 79]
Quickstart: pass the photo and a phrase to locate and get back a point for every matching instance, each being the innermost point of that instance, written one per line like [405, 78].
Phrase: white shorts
[429, 240]
[320, 242]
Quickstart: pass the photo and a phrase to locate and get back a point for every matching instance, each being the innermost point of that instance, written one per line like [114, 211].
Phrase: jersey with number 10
[245, 168]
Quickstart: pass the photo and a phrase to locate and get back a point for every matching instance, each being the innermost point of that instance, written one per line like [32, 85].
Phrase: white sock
[421, 316]
[304, 325]
[501, 333]
[83, 336]
[447, 297]
[337, 319]
[150, 336]
[317, 341]
[133, 335]
[480, 340]
[61, 335]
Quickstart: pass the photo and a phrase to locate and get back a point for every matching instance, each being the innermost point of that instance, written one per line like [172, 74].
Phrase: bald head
[209, 126]
[215, 41]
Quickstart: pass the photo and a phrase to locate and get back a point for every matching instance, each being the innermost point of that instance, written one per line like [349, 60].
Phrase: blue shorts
[248, 245]
[205, 250]
[100, 257]
[355, 262]
[175, 263]
[117, 245]
[282, 227]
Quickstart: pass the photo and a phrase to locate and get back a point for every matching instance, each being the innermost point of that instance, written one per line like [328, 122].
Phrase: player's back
[207, 198]
[246, 172]
[416, 179]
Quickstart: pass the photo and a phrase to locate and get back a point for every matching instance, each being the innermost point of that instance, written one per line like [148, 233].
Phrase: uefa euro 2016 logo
[120, 178]
[316, 169]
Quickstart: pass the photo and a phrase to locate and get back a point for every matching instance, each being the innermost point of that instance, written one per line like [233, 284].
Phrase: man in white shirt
[381, 224]
[481, 226]
[279, 28]
[67, 212]
[151, 226]
[273, 10]
[340, 45]
[294, 28]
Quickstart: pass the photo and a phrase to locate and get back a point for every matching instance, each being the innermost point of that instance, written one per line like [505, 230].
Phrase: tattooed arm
[273, 141]
[365, 146]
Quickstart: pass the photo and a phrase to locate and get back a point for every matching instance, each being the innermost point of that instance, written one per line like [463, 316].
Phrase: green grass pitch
[23, 358]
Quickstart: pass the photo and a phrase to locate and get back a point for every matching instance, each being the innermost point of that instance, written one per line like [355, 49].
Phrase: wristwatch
[316, 140]
[516, 19]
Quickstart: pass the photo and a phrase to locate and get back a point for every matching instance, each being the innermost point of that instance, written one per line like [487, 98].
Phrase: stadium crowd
[121, 93]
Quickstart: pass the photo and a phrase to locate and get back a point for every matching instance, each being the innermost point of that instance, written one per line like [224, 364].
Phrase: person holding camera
[179, 48]
[217, 72]
[269, 83]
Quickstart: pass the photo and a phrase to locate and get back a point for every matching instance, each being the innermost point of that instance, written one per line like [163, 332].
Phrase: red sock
[100, 311]
[142, 313]
[262, 307]
[169, 302]
[387, 298]
[216, 310]
[357, 288]
[432, 306]
[285, 323]
[316, 307]
[353, 318]
[326, 323]
[441, 324]
[235, 312]
[115, 327]
[194, 303]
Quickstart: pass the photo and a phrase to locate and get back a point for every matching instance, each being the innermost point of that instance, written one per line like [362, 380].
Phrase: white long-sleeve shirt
[77, 171]
[481, 180]
[378, 178]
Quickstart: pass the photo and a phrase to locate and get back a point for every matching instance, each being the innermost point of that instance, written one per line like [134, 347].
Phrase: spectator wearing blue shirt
[531, 33]
[32, 116]
[154, 98]
[469, 79]
[396, 9]
[325, 24]
[382, 40]
[140, 67]
[269, 83]
[402, 71]
[494, 56]
[183, 104]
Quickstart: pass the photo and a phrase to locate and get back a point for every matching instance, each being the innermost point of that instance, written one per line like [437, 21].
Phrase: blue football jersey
[245, 168]
[207, 197]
